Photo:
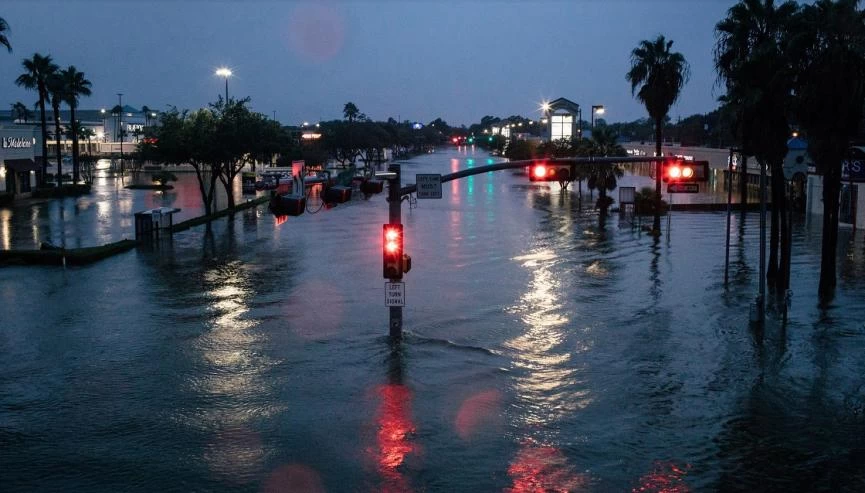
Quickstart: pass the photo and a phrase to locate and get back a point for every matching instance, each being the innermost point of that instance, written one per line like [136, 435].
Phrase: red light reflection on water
[664, 478]
[478, 411]
[542, 468]
[279, 220]
[395, 428]
[294, 478]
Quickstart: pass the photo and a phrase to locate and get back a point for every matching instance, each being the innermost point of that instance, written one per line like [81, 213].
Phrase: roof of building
[564, 104]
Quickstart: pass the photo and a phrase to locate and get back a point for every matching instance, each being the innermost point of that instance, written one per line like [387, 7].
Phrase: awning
[21, 165]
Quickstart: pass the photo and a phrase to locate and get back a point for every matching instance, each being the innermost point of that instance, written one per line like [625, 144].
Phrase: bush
[644, 202]
[163, 177]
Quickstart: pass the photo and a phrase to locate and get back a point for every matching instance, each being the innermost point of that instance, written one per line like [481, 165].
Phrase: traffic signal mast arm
[408, 189]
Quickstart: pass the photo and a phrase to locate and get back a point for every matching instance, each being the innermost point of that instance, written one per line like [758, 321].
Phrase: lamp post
[226, 73]
[599, 109]
[103, 122]
[120, 124]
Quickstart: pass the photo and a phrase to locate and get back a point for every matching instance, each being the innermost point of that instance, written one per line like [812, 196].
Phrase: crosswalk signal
[392, 251]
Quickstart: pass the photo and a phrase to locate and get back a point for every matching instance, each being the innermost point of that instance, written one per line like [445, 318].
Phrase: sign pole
[729, 181]
[394, 198]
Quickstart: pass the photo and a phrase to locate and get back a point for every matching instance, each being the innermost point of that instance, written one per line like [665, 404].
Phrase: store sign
[16, 143]
[853, 168]
[134, 127]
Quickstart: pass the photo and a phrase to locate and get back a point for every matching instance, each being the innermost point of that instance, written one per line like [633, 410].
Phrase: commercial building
[18, 162]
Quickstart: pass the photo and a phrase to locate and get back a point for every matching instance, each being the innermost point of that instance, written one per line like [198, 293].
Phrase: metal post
[226, 90]
[761, 297]
[729, 201]
[394, 198]
[120, 124]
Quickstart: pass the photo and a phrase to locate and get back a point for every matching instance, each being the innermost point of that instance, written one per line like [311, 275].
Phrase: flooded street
[542, 351]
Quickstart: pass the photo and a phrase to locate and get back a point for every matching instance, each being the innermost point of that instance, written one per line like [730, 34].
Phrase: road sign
[394, 294]
[429, 186]
[683, 188]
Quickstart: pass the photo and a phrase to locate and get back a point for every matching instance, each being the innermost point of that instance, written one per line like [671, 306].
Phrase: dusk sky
[403, 59]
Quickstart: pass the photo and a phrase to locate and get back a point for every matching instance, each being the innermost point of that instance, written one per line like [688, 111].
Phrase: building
[562, 117]
[852, 201]
[18, 162]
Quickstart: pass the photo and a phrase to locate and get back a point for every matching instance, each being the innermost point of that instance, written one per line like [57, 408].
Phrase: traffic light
[676, 170]
[490, 138]
[543, 171]
[471, 140]
[392, 254]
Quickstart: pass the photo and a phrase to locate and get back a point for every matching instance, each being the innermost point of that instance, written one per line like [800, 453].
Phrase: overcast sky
[404, 59]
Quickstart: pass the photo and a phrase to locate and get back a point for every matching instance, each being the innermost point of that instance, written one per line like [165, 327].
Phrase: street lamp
[224, 72]
[120, 124]
[599, 109]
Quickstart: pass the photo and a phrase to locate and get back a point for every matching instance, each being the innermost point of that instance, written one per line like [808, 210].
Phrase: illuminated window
[561, 127]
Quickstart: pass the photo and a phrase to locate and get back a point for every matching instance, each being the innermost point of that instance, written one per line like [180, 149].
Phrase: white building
[18, 166]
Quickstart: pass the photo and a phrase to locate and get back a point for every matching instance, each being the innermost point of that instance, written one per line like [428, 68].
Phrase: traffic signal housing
[544, 171]
[676, 170]
[392, 252]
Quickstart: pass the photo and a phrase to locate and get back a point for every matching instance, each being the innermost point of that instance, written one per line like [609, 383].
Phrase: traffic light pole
[394, 198]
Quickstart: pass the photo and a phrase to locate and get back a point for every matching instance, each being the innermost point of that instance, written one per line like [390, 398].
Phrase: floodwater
[543, 352]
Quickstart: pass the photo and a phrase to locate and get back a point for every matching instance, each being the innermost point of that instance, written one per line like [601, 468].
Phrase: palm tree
[604, 177]
[20, 112]
[660, 74]
[4, 27]
[831, 41]
[753, 60]
[56, 88]
[115, 112]
[146, 111]
[74, 85]
[38, 70]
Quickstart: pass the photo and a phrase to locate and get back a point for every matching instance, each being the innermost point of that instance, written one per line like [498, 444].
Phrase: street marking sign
[394, 294]
[429, 186]
[683, 188]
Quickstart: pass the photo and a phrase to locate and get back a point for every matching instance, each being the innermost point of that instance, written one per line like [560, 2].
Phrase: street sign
[394, 294]
[429, 186]
[683, 188]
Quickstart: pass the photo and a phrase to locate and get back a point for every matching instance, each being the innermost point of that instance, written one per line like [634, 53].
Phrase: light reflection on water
[542, 352]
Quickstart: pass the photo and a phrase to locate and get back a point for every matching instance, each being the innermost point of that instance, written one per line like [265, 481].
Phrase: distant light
[795, 133]
[417, 126]
[102, 111]
[599, 110]
[100, 135]
[223, 72]
[545, 106]
[153, 114]
[305, 124]
[317, 125]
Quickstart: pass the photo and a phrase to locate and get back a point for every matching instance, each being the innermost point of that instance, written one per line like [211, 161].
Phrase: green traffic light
[490, 139]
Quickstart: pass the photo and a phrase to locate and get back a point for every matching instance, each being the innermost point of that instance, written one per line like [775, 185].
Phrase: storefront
[18, 166]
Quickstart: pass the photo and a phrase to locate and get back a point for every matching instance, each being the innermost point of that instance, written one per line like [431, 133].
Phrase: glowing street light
[596, 109]
[224, 72]
[545, 106]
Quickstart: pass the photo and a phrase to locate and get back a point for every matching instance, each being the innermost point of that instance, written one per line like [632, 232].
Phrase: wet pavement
[543, 352]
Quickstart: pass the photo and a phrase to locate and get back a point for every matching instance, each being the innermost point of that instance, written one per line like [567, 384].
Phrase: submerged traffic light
[676, 170]
[392, 253]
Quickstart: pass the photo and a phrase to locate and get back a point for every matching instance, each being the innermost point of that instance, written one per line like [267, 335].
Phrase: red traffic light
[392, 251]
[677, 170]
[549, 172]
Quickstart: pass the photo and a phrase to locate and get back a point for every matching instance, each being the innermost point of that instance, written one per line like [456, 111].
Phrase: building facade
[18, 163]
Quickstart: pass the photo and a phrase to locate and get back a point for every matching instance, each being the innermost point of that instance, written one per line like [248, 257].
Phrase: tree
[57, 89]
[184, 137]
[660, 75]
[830, 89]
[146, 111]
[74, 85]
[4, 28]
[753, 60]
[38, 70]
[604, 176]
[116, 112]
[350, 111]
[20, 112]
